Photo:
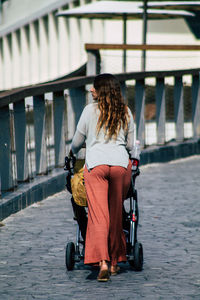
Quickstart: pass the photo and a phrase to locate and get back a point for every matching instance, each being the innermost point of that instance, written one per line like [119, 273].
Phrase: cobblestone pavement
[32, 244]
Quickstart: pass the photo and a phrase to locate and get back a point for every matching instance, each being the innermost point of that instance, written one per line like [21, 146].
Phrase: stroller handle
[70, 163]
[135, 166]
[69, 167]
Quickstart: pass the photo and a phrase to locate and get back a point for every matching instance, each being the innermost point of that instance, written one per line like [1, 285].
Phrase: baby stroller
[75, 252]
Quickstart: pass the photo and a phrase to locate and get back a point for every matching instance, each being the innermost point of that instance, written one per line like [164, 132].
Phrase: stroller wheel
[138, 256]
[70, 256]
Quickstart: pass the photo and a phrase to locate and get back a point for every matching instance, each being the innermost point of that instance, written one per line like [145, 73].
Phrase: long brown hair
[113, 110]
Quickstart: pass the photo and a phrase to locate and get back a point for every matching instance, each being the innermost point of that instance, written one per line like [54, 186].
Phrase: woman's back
[99, 148]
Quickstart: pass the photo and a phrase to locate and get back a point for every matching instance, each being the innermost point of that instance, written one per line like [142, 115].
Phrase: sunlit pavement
[32, 244]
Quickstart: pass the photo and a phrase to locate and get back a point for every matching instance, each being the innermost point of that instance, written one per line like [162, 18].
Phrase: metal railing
[35, 132]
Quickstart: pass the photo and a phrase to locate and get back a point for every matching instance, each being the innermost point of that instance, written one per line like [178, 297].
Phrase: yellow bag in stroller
[78, 187]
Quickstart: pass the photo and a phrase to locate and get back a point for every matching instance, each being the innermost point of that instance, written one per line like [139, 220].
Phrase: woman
[107, 127]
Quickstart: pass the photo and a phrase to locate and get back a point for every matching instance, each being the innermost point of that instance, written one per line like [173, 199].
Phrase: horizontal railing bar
[151, 47]
[156, 74]
[13, 96]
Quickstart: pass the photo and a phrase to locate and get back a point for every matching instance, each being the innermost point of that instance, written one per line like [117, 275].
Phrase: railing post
[93, 68]
[139, 105]
[78, 101]
[178, 108]
[6, 173]
[93, 63]
[21, 140]
[59, 127]
[75, 105]
[40, 134]
[160, 110]
[196, 106]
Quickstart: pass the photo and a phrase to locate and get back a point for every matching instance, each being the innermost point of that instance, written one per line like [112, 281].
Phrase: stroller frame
[75, 252]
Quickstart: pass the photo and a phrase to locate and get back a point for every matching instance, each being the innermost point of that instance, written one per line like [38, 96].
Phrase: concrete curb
[171, 151]
[44, 186]
[29, 193]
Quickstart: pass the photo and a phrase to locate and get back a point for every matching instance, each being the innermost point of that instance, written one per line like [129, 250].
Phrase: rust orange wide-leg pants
[106, 187]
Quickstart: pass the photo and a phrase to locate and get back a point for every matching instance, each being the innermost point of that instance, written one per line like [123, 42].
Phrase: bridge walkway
[32, 247]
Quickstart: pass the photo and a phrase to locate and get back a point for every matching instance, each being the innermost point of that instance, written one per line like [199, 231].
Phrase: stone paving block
[32, 247]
